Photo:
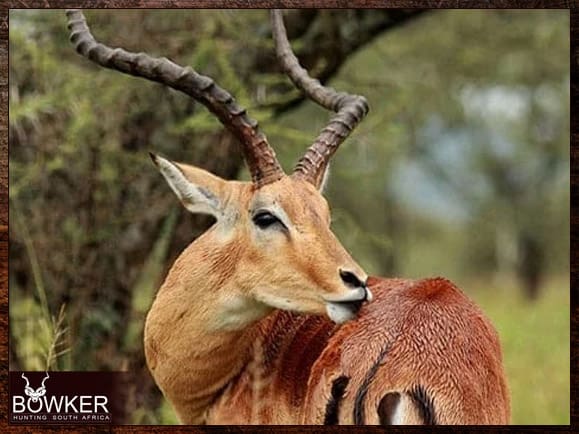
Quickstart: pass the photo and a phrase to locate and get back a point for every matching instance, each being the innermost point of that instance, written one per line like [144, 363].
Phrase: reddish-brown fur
[436, 338]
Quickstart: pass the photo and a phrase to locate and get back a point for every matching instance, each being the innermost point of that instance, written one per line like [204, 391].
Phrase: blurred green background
[461, 169]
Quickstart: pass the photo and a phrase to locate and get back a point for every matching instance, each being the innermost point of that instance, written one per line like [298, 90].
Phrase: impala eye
[265, 219]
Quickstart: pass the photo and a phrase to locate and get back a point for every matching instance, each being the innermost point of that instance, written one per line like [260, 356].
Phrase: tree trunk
[531, 265]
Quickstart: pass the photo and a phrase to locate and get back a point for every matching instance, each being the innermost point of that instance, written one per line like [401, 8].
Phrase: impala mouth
[346, 309]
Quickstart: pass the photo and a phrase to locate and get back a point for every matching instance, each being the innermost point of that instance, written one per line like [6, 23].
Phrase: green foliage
[536, 349]
[467, 134]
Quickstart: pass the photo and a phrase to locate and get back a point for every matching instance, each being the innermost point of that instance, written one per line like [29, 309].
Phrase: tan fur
[223, 352]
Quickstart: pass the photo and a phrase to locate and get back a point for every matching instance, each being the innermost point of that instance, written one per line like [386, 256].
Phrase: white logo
[35, 395]
[37, 406]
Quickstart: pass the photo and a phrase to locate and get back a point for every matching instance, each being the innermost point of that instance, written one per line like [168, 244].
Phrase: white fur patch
[398, 416]
[238, 312]
[369, 296]
[338, 313]
[273, 301]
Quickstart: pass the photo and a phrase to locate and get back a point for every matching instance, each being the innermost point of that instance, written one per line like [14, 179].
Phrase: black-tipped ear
[198, 190]
[154, 158]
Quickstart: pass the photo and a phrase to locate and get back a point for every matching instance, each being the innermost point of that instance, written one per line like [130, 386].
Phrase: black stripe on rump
[363, 390]
[424, 404]
[333, 405]
[387, 407]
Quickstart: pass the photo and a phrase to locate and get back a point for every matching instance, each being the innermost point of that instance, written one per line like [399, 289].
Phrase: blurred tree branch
[327, 39]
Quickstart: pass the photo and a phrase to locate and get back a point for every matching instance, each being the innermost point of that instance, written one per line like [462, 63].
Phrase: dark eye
[265, 219]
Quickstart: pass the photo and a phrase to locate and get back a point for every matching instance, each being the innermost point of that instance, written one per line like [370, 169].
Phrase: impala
[266, 319]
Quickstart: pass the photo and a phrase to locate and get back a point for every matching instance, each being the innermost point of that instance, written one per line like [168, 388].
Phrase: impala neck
[200, 329]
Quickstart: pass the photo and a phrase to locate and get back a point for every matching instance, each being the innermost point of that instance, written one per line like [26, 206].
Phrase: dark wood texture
[574, 258]
[574, 182]
[3, 215]
[529, 4]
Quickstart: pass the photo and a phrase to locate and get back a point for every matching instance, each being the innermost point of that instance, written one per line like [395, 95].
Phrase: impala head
[276, 228]
[289, 259]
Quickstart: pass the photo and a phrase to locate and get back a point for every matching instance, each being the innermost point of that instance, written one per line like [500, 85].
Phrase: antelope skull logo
[33, 394]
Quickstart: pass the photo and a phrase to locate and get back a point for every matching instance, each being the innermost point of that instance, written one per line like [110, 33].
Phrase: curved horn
[260, 157]
[350, 109]
[26, 379]
[45, 378]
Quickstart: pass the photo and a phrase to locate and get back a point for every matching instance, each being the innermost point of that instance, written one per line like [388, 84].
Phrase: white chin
[339, 313]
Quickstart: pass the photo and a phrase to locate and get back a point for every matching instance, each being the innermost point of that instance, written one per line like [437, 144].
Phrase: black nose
[350, 279]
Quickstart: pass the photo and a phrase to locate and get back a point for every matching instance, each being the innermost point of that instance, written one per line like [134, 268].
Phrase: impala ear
[198, 190]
